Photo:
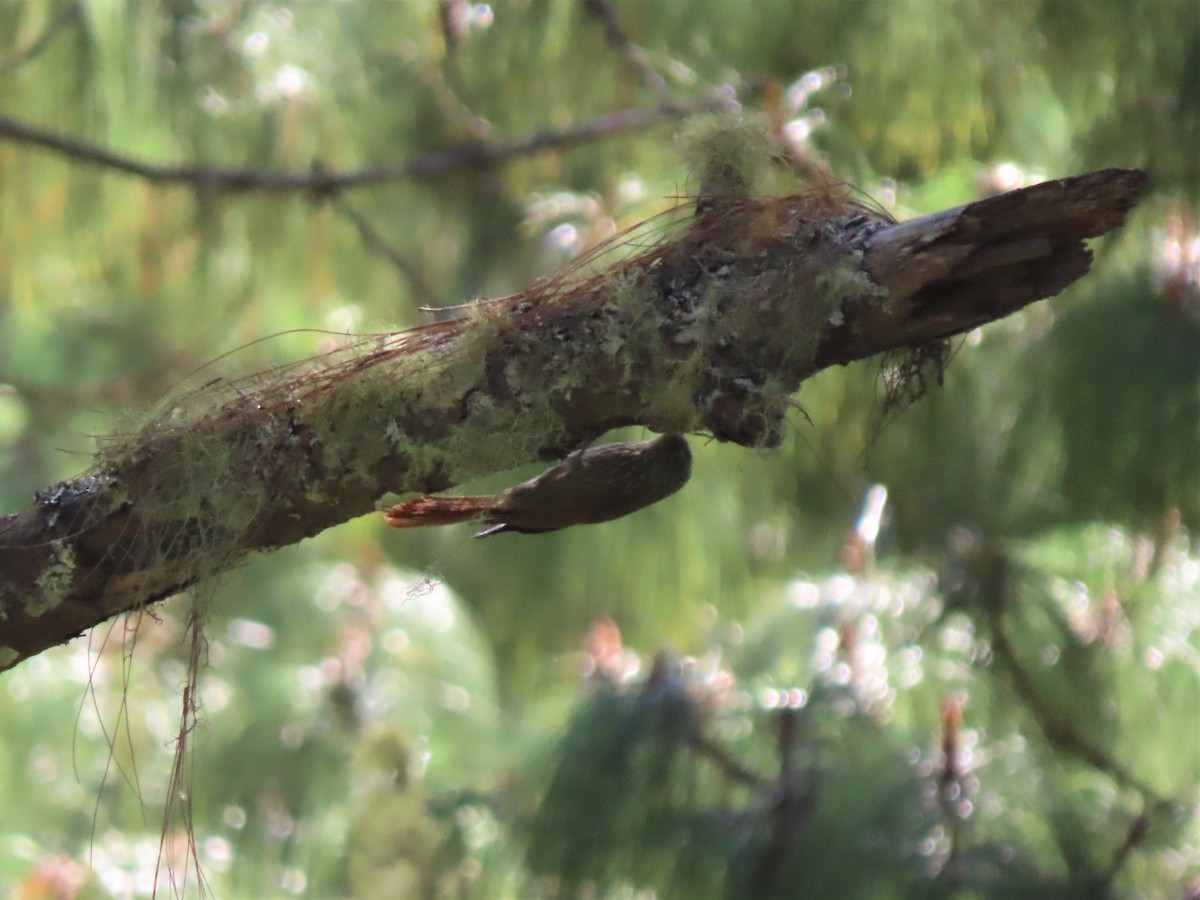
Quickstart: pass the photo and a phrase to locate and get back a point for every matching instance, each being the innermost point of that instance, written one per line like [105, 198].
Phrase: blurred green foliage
[487, 731]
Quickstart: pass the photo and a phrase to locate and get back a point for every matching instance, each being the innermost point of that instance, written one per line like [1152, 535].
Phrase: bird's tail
[433, 510]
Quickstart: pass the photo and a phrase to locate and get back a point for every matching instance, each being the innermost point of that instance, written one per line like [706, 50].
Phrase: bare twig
[379, 244]
[791, 807]
[602, 11]
[1062, 733]
[431, 166]
[1057, 727]
[950, 790]
[1134, 837]
[731, 767]
[68, 12]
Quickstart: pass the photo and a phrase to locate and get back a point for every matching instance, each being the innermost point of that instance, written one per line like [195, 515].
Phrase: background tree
[831, 717]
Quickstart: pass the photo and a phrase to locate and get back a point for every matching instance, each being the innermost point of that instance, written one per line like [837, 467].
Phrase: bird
[593, 485]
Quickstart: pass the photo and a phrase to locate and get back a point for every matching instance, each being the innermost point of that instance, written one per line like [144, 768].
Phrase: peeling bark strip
[711, 330]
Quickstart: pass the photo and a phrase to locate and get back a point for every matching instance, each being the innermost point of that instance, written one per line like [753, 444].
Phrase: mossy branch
[712, 330]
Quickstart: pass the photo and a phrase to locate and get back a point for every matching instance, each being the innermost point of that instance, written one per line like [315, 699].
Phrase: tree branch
[710, 330]
[428, 167]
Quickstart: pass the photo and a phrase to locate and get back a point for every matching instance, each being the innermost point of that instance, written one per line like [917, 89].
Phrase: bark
[712, 331]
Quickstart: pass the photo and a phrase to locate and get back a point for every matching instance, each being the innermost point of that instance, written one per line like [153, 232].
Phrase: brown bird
[593, 485]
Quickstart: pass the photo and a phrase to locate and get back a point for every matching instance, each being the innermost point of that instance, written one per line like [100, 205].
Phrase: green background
[418, 714]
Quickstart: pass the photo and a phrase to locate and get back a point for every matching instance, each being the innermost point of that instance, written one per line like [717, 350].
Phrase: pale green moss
[55, 582]
[631, 321]
[424, 457]
[493, 439]
[848, 280]
[727, 157]
[671, 406]
[446, 386]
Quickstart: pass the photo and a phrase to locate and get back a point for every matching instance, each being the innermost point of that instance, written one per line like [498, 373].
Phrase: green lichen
[632, 319]
[55, 581]
[494, 438]
[8, 656]
[670, 406]
[849, 280]
[191, 476]
[727, 157]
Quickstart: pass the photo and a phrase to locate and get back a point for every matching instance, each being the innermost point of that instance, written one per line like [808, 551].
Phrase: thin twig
[1057, 729]
[790, 807]
[430, 166]
[379, 244]
[1134, 837]
[602, 10]
[731, 768]
[68, 13]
